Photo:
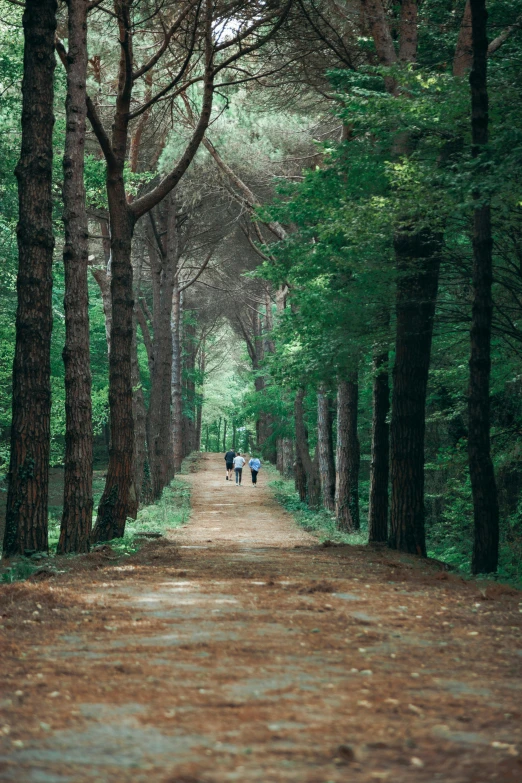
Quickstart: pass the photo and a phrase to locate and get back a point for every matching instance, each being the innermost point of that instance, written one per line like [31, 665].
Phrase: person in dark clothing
[229, 462]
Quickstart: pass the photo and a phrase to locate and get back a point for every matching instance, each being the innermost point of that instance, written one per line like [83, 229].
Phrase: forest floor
[240, 649]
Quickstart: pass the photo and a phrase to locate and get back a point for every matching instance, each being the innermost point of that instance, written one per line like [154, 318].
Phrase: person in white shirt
[239, 461]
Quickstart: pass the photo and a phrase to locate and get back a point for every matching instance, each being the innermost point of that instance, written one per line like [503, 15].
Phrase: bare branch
[168, 37]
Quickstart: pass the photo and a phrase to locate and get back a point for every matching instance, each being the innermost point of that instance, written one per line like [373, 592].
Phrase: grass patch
[319, 522]
[18, 571]
[171, 511]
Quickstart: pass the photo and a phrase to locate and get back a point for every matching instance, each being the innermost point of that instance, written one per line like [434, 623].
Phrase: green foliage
[318, 522]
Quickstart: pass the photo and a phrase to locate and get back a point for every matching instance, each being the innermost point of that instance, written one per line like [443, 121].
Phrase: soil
[240, 649]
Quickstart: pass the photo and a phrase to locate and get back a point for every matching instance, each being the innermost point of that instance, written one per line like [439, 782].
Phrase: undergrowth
[172, 510]
[319, 522]
[445, 540]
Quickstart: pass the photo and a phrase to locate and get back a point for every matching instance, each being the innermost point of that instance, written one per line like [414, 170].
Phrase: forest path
[244, 651]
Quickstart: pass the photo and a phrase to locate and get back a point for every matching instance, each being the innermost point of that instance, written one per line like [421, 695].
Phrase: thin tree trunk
[379, 472]
[202, 363]
[348, 456]
[310, 467]
[27, 496]
[279, 458]
[177, 403]
[189, 371]
[225, 436]
[76, 522]
[140, 431]
[482, 474]
[287, 448]
[325, 449]
[219, 435]
[418, 263]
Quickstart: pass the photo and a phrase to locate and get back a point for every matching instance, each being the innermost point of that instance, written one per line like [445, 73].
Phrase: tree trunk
[177, 402]
[189, 407]
[482, 474]
[463, 57]
[199, 412]
[76, 522]
[287, 449]
[159, 421]
[325, 450]
[379, 474]
[300, 476]
[348, 456]
[139, 413]
[119, 486]
[418, 263]
[279, 458]
[310, 467]
[225, 436]
[27, 497]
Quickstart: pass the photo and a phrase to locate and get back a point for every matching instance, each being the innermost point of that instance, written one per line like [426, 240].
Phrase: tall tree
[485, 502]
[202, 20]
[418, 260]
[379, 469]
[348, 456]
[27, 497]
[78, 503]
[306, 467]
[325, 448]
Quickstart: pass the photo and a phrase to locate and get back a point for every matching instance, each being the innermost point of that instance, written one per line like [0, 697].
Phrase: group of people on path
[235, 462]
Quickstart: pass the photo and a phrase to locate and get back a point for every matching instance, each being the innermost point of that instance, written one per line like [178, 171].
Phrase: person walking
[229, 463]
[239, 461]
[255, 466]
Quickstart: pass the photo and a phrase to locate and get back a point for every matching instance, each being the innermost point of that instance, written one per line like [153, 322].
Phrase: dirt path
[243, 651]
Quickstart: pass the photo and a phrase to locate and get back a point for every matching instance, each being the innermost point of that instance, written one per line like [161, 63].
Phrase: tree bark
[140, 432]
[177, 401]
[482, 474]
[309, 466]
[287, 448]
[119, 487]
[28, 481]
[463, 51]
[189, 407]
[418, 263]
[325, 449]
[199, 412]
[348, 456]
[379, 475]
[164, 264]
[408, 35]
[76, 522]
